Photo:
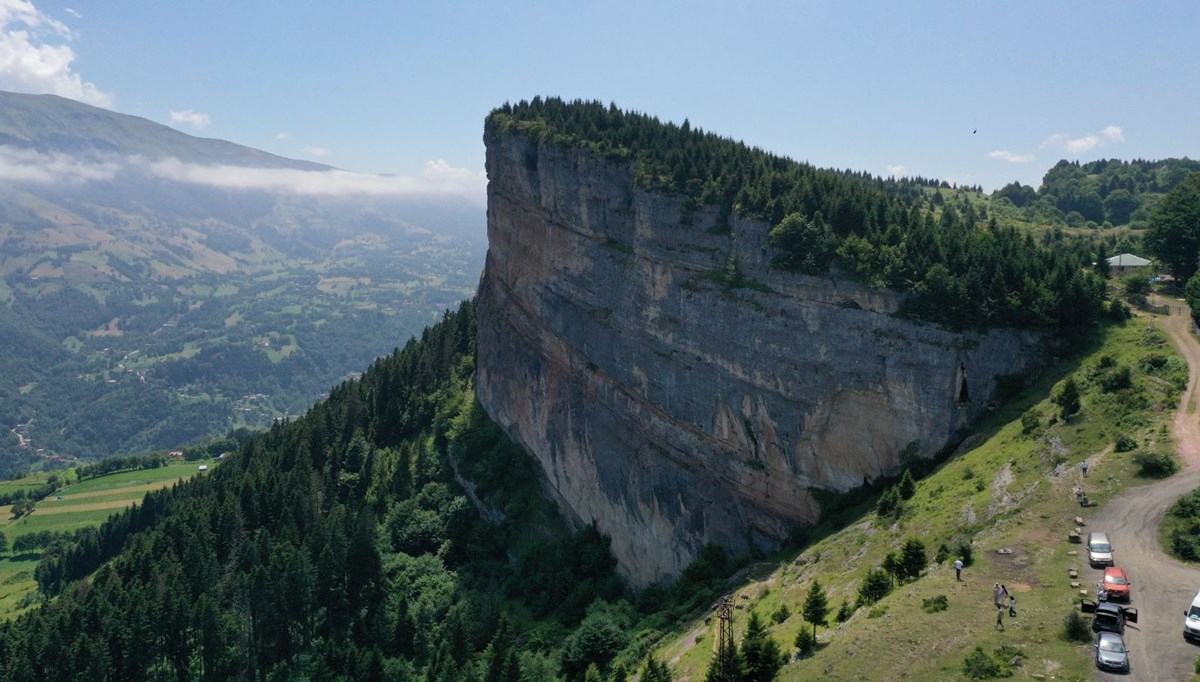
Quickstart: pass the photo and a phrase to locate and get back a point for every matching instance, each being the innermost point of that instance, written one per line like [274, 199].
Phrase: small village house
[1127, 264]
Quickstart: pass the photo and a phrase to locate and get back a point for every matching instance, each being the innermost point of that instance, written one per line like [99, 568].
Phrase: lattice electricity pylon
[725, 659]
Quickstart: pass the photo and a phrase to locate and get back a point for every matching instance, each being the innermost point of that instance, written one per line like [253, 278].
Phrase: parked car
[1107, 616]
[1116, 584]
[1111, 653]
[1191, 619]
[1099, 549]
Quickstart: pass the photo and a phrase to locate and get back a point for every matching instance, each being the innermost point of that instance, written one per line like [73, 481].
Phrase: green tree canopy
[1173, 236]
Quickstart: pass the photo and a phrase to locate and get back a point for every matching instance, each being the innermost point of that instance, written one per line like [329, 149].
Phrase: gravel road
[1162, 587]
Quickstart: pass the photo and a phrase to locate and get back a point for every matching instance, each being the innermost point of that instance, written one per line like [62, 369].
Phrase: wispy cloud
[1011, 157]
[1077, 146]
[28, 165]
[35, 56]
[439, 178]
[194, 118]
[72, 12]
[317, 151]
[18, 164]
[283, 135]
[896, 170]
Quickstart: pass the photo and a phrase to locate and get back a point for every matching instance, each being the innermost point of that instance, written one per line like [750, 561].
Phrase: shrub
[965, 552]
[1124, 443]
[935, 604]
[1155, 464]
[1031, 421]
[1116, 379]
[781, 614]
[943, 553]
[1076, 628]
[980, 666]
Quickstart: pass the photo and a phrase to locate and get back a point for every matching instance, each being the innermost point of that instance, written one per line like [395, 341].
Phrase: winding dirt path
[1162, 586]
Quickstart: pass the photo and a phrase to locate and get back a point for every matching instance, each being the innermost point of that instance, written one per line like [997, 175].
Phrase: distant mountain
[152, 282]
[49, 123]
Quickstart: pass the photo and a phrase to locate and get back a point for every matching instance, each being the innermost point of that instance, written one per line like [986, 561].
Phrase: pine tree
[816, 605]
[907, 486]
[1067, 398]
[761, 657]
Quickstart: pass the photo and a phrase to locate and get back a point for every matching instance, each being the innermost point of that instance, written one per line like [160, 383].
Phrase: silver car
[1111, 653]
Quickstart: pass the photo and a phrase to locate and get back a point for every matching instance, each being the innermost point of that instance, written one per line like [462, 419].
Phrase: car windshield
[1101, 547]
[1112, 644]
[1115, 579]
[1194, 612]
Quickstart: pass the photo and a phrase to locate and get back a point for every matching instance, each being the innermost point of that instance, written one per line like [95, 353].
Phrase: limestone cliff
[674, 409]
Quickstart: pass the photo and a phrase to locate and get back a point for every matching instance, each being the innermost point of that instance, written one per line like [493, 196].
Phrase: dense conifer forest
[340, 545]
[963, 269]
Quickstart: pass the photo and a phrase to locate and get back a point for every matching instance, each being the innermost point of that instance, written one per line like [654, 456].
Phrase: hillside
[396, 531]
[149, 305]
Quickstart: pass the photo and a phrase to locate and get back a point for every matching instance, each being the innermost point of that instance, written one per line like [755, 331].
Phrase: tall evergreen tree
[816, 605]
[760, 653]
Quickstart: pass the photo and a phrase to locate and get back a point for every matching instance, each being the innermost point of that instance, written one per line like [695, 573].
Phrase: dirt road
[1162, 586]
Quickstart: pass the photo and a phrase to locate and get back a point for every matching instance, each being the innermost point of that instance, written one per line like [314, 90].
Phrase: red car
[1117, 584]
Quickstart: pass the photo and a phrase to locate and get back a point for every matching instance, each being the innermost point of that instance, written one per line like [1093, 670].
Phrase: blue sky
[402, 87]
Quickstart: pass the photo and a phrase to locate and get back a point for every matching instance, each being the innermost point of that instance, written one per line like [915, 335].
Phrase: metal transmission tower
[726, 664]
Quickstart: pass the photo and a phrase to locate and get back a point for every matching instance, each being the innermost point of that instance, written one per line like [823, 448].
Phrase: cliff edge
[678, 391]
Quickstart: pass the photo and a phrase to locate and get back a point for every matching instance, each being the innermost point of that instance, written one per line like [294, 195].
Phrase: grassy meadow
[1009, 490]
[83, 504]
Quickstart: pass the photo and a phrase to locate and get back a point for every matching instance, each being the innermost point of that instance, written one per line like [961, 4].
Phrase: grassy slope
[1007, 490]
[84, 504]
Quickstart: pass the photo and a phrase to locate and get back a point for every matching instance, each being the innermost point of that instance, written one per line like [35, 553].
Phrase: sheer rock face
[673, 410]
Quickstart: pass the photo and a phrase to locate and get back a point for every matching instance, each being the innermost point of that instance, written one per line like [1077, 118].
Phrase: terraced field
[76, 506]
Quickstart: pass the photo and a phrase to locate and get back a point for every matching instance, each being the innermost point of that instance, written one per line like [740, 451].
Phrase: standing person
[1000, 618]
[1084, 466]
[996, 595]
[958, 564]
[1101, 593]
[1012, 606]
[1003, 596]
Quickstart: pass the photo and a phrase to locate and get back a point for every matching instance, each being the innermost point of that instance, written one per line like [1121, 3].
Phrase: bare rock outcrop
[675, 405]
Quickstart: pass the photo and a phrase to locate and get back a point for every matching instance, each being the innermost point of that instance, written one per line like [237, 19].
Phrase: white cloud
[27, 165]
[896, 170]
[316, 151]
[1077, 146]
[35, 56]
[1010, 157]
[439, 178]
[19, 164]
[282, 135]
[198, 120]
[1083, 144]
[72, 12]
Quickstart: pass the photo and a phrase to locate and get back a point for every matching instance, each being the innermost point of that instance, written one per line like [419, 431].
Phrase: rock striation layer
[678, 391]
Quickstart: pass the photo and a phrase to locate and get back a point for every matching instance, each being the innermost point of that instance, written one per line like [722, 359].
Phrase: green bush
[980, 666]
[781, 614]
[1155, 464]
[1124, 443]
[935, 604]
[1076, 628]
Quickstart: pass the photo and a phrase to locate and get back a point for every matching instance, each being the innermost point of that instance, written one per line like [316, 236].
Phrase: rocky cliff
[675, 388]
